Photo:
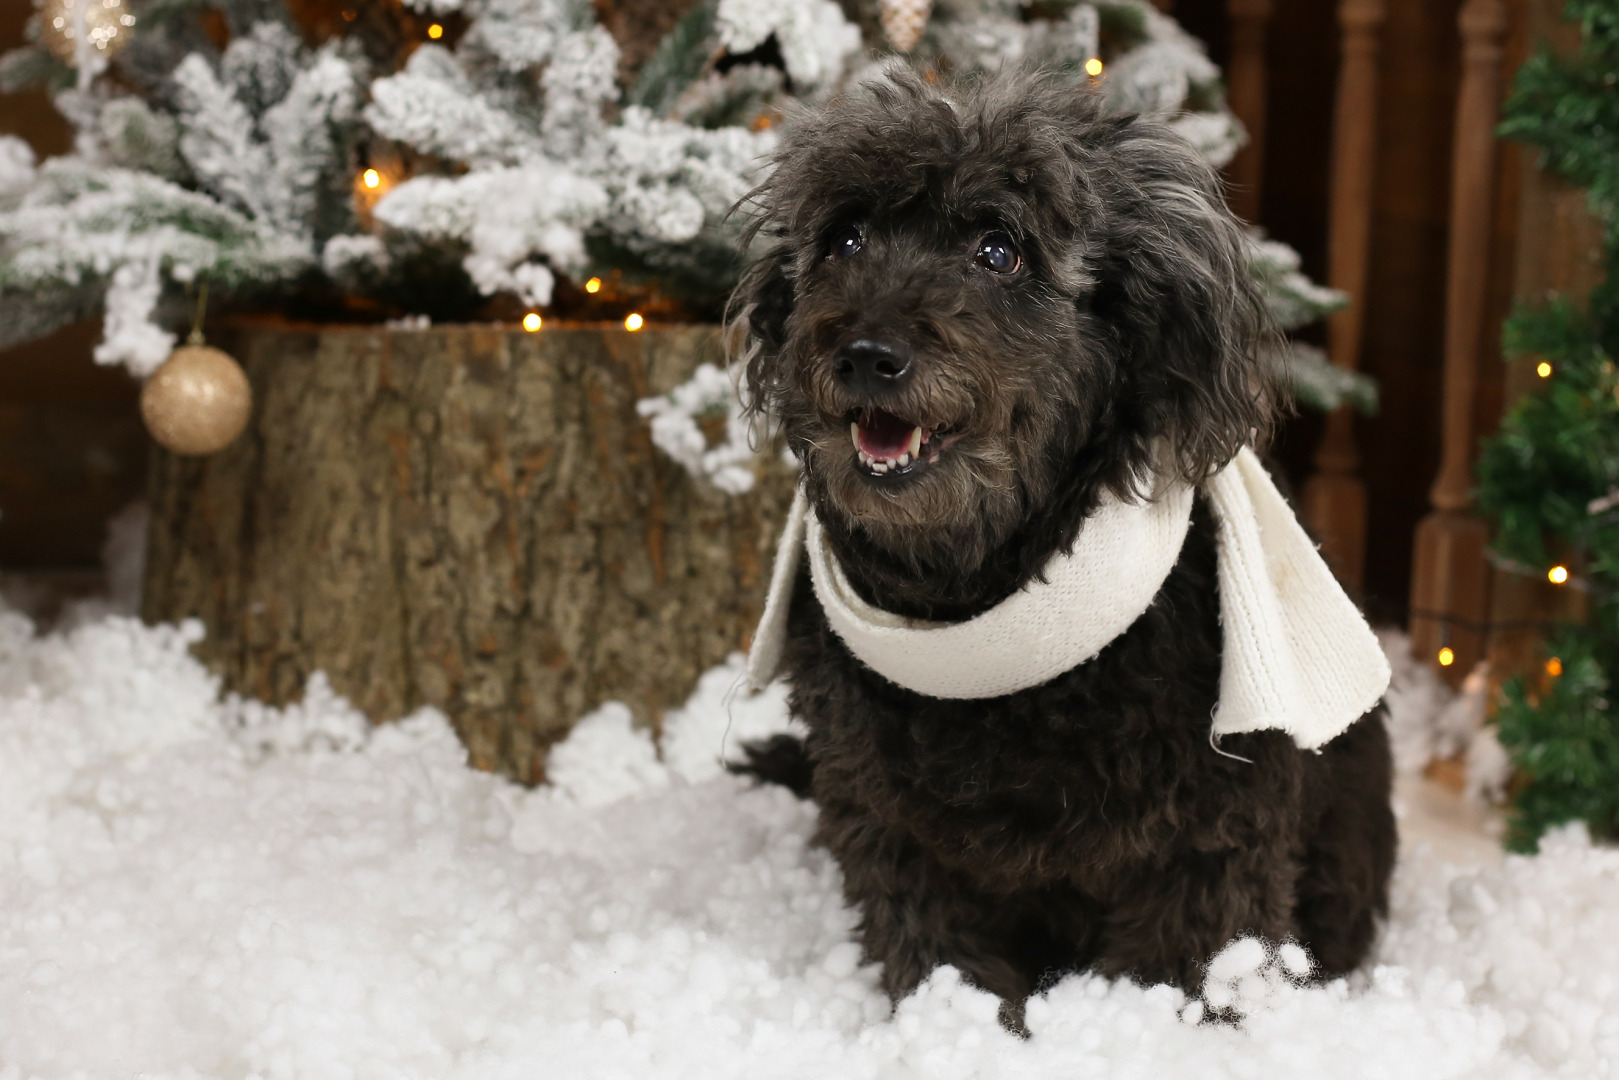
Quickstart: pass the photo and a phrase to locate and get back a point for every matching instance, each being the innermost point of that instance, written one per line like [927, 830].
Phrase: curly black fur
[1087, 822]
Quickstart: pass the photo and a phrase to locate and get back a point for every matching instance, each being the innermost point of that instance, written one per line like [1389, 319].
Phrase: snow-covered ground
[198, 888]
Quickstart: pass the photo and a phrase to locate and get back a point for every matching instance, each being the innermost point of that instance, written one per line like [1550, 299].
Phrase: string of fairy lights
[1557, 574]
[376, 179]
[374, 184]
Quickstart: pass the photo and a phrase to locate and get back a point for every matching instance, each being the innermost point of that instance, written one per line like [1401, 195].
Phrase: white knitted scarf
[1297, 656]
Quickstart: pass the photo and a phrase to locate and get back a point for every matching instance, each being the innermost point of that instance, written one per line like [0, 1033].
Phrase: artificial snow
[193, 886]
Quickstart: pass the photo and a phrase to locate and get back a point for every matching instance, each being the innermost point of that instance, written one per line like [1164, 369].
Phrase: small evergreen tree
[1550, 477]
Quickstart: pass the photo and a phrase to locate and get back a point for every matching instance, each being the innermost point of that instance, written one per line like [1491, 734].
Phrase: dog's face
[975, 305]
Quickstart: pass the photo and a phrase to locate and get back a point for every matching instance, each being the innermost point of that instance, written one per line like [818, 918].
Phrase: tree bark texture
[464, 517]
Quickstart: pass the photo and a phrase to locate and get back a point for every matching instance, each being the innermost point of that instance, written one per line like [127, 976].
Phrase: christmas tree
[455, 158]
[1550, 477]
[223, 167]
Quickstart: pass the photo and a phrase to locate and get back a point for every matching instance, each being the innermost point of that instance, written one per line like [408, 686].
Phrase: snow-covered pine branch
[519, 222]
[1317, 382]
[300, 132]
[520, 35]
[1294, 299]
[216, 139]
[130, 336]
[672, 188]
[135, 136]
[578, 82]
[16, 168]
[226, 187]
[520, 104]
[709, 394]
[815, 39]
[433, 107]
[260, 64]
[79, 224]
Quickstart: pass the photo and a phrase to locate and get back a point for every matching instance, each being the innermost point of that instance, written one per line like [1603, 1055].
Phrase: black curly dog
[1048, 292]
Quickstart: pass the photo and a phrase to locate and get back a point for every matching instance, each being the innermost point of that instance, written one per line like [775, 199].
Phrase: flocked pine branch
[217, 140]
[85, 230]
[227, 185]
[814, 38]
[434, 107]
[525, 116]
[1295, 301]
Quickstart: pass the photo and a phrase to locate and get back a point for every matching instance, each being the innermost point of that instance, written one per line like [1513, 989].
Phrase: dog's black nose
[870, 367]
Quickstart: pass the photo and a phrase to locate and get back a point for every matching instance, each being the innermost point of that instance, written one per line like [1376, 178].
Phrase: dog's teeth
[854, 432]
[879, 467]
[916, 441]
[902, 461]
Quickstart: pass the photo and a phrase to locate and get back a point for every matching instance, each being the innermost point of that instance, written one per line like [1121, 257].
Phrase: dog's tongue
[883, 435]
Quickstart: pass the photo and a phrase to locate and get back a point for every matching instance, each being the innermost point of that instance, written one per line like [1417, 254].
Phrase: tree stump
[473, 518]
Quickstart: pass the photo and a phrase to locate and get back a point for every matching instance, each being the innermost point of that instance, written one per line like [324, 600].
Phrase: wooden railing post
[1450, 579]
[1335, 497]
[1245, 89]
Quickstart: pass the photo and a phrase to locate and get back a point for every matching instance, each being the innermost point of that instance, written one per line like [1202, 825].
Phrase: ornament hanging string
[195, 337]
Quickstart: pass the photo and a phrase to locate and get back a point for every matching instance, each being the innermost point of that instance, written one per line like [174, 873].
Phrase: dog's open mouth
[889, 445]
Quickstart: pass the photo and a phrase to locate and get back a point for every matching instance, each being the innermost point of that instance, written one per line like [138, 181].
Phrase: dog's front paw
[780, 759]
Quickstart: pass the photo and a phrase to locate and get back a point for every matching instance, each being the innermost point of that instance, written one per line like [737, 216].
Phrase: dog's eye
[845, 243]
[997, 252]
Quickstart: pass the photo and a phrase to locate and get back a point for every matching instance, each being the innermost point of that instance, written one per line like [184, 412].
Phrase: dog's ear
[1176, 288]
[756, 324]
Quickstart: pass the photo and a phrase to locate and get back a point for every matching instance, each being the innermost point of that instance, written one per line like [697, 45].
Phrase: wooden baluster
[1450, 580]
[1335, 497]
[1245, 82]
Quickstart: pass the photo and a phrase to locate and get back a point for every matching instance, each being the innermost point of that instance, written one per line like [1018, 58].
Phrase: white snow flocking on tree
[530, 163]
[709, 394]
[815, 39]
[227, 187]
[546, 176]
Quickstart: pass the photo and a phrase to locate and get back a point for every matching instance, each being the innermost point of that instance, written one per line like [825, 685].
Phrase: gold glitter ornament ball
[197, 402]
[903, 21]
[107, 25]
